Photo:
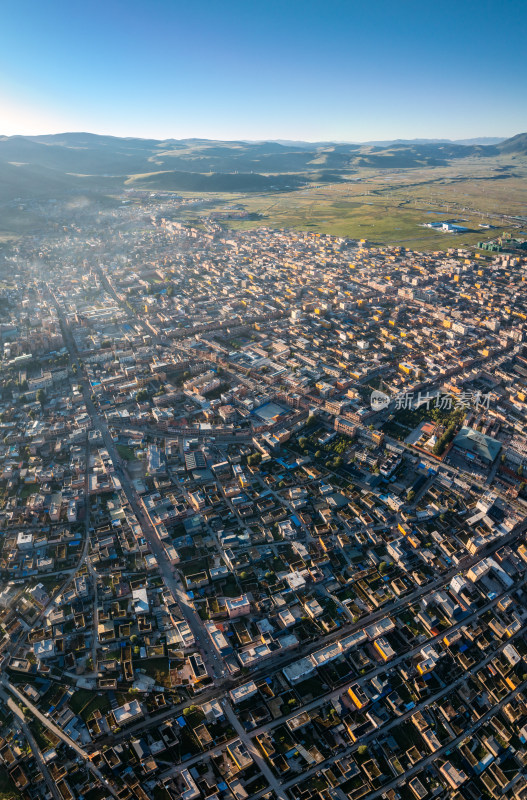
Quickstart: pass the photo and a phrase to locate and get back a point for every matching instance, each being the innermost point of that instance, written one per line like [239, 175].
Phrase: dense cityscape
[263, 514]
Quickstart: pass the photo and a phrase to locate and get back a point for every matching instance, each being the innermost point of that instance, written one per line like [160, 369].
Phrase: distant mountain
[390, 142]
[517, 145]
[90, 154]
[484, 140]
[58, 164]
[481, 140]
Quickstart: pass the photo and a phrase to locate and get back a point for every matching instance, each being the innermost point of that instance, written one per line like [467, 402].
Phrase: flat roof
[240, 693]
[127, 711]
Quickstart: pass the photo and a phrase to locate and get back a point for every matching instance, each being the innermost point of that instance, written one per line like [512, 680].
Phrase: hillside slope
[39, 166]
[517, 145]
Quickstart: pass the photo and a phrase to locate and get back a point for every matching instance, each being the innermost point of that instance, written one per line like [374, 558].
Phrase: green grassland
[392, 208]
[382, 194]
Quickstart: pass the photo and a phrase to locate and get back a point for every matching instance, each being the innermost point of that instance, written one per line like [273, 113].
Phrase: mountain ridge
[72, 161]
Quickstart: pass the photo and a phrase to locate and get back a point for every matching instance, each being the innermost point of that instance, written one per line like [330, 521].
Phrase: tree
[383, 566]
[303, 442]
[141, 395]
[41, 397]
[254, 459]
[362, 749]
[445, 439]
[410, 494]
[318, 454]
[311, 420]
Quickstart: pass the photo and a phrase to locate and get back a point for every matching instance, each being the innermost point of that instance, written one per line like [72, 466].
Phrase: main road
[166, 570]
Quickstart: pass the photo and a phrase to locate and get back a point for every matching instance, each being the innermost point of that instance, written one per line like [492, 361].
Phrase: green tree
[303, 442]
[254, 459]
[41, 397]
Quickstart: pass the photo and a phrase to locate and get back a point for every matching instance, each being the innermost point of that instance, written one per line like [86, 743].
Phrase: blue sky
[348, 70]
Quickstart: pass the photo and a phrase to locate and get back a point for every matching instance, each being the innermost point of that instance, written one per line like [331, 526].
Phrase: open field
[384, 195]
[391, 208]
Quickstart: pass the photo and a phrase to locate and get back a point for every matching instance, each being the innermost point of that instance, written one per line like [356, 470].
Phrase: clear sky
[348, 70]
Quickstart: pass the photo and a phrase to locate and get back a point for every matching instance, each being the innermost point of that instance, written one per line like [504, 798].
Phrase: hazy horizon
[276, 139]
